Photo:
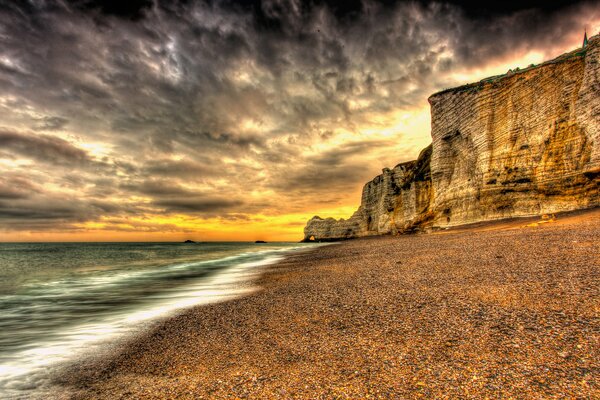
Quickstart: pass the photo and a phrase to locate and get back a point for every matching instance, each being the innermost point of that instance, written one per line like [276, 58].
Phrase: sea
[60, 302]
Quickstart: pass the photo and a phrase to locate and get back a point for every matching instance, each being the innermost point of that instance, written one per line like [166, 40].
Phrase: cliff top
[577, 53]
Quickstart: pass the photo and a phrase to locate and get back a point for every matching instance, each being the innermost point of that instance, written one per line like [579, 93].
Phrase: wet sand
[505, 310]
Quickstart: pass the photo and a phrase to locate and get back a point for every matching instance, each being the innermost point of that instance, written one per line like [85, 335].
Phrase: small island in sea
[396, 200]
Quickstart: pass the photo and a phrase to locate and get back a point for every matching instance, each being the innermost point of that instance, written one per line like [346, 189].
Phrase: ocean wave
[53, 322]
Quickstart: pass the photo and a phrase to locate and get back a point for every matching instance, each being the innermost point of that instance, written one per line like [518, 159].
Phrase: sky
[223, 120]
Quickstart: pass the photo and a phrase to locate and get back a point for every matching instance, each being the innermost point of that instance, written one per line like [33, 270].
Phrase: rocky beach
[505, 309]
[288, 199]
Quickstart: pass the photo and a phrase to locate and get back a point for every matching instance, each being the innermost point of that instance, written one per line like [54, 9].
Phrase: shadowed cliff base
[521, 144]
[498, 224]
[498, 313]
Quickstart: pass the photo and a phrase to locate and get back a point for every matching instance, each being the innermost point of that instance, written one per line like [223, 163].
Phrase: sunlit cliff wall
[520, 144]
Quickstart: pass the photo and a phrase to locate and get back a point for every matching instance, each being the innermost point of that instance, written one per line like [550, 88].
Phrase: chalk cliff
[520, 144]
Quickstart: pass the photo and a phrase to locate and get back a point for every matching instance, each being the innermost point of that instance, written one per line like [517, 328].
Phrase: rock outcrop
[394, 202]
[520, 144]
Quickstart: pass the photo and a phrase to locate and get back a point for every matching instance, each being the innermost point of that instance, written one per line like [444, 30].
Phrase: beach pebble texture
[503, 310]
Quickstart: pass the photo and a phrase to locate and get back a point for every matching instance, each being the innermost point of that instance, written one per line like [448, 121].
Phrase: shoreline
[508, 310]
[28, 371]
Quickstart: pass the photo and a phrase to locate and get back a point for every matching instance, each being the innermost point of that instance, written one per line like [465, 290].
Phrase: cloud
[173, 198]
[158, 188]
[44, 211]
[155, 107]
[182, 168]
[50, 123]
[42, 148]
[131, 9]
[335, 170]
[198, 204]
[15, 187]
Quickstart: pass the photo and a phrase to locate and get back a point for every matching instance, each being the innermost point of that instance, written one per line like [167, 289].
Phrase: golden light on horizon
[286, 228]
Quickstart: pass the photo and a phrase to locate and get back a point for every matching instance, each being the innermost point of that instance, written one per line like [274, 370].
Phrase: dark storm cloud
[351, 10]
[128, 225]
[158, 188]
[198, 204]
[49, 211]
[173, 71]
[182, 103]
[130, 9]
[189, 170]
[38, 211]
[347, 150]
[332, 171]
[170, 197]
[494, 8]
[16, 187]
[50, 123]
[29, 205]
[42, 148]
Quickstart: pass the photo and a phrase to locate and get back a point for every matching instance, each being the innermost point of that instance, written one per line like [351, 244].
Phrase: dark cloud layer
[348, 9]
[42, 148]
[198, 204]
[122, 109]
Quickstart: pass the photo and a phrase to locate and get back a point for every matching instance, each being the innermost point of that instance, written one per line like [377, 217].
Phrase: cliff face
[396, 201]
[520, 144]
[523, 144]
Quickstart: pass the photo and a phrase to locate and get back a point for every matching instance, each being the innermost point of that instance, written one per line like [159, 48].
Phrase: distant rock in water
[521, 144]
[189, 241]
[260, 241]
